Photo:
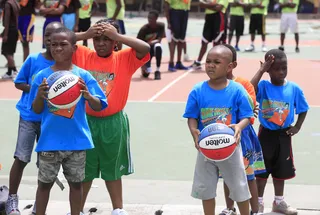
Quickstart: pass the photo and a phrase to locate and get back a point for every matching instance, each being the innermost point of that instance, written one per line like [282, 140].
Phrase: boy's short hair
[71, 34]
[233, 50]
[277, 53]
[155, 13]
[109, 21]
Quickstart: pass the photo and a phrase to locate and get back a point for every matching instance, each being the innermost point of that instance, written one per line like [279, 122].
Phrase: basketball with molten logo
[217, 142]
[64, 90]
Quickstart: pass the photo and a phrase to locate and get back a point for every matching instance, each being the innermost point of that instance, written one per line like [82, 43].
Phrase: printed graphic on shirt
[68, 113]
[275, 111]
[150, 37]
[23, 3]
[215, 115]
[85, 4]
[105, 80]
[51, 3]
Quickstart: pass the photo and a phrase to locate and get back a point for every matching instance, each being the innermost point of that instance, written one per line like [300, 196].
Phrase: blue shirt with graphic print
[229, 105]
[279, 104]
[66, 129]
[32, 66]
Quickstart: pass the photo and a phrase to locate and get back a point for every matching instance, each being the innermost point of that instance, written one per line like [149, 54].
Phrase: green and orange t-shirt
[113, 74]
[250, 90]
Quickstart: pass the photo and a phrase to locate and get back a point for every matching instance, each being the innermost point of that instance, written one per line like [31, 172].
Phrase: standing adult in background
[70, 16]
[177, 13]
[26, 24]
[115, 11]
[289, 19]
[85, 13]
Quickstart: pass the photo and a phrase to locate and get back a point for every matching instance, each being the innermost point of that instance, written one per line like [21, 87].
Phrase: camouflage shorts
[73, 164]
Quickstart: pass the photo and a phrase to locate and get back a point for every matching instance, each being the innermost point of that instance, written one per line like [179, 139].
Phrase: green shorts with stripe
[111, 158]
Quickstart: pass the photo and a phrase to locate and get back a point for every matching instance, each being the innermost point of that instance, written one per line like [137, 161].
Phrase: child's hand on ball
[43, 89]
[84, 91]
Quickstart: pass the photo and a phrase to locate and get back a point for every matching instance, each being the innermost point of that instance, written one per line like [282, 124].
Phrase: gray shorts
[28, 133]
[73, 164]
[206, 176]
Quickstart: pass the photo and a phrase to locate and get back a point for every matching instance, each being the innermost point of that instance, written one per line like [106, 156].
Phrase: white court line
[156, 102]
[159, 93]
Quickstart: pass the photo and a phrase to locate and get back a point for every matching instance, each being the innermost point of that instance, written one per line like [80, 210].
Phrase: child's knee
[75, 185]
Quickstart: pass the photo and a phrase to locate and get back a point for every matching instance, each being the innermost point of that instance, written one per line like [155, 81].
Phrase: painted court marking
[168, 86]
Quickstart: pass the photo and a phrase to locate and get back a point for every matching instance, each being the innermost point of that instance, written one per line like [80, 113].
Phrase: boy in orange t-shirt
[111, 156]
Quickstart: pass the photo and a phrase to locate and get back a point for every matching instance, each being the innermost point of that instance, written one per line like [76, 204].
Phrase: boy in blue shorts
[29, 123]
[26, 24]
[279, 99]
[231, 102]
[65, 133]
[52, 10]
[251, 149]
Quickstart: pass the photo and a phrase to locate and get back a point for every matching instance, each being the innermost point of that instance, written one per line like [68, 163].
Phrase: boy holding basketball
[231, 104]
[29, 122]
[251, 149]
[65, 133]
[279, 100]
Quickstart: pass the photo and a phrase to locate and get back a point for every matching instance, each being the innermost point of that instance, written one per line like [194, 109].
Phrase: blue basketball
[217, 142]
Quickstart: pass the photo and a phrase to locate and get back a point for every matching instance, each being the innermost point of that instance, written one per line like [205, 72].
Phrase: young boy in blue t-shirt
[29, 123]
[65, 133]
[279, 100]
[219, 100]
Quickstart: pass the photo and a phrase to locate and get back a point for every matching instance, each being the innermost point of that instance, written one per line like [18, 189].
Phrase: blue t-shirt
[66, 129]
[228, 106]
[278, 103]
[33, 64]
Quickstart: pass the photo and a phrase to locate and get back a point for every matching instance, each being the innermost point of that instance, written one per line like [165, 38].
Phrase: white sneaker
[249, 48]
[12, 205]
[186, 58]
[264, 49]
[80, 213]
[6, 76]
[119, 212]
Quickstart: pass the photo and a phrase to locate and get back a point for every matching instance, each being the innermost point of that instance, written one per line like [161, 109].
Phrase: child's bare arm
[118, 8]
[263, 68]
[38, 103]
[211, 6]
[95, 30]
[7, 9]
[56, 11]
[239, 127]
[193, 127]
[94, 102]
[296, 128]
[23, 87]
[142, 48]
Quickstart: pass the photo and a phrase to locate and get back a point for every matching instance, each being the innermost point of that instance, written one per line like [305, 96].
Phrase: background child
[85, 13]
[29, 123]
[214, 27]
[52, 11]
[289, 19]
[279, 100]
[152, 33]
[111, 157]
[177, 14]
[251, 149]
[258, 13]
[9, 35]
[26, 24]
[65, 133]
[237, 20]
[70, 16]
[202, 110]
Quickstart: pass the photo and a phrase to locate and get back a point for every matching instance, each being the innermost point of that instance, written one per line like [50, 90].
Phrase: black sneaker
[157, 75]
[281, 48]
[144, 73]
[297, 50]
